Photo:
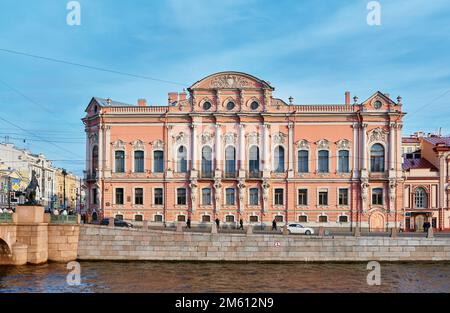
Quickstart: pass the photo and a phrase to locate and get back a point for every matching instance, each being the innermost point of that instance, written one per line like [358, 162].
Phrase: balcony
[91, 176]
[254, 174]
[230, 174]
[206, 174]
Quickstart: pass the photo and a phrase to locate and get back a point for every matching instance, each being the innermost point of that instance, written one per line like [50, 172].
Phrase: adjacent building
[68, 188]
[427, 183]
[228, 149]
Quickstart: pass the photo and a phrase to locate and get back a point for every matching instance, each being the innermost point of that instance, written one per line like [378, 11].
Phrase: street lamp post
[64, 173]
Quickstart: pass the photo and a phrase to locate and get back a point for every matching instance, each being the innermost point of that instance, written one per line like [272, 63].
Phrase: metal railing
[63, 219]
[6, 218]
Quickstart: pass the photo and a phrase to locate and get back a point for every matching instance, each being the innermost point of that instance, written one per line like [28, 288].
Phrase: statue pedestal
[29, 214]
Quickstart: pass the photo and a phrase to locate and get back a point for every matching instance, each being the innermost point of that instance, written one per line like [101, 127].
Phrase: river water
[189, 277]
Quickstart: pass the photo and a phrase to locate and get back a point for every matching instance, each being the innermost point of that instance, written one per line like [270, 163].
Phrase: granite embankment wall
[106, 243]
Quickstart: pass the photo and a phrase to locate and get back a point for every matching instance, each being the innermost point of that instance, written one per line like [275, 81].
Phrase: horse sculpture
[30, 191]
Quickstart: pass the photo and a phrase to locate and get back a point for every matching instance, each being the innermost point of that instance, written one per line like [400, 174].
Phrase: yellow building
[72, 186]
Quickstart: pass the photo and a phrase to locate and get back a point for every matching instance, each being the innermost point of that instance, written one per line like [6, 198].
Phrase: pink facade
[230, 150]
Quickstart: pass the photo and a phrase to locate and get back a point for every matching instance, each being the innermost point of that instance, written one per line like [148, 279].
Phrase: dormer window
[377, 105]
[206, 105]
[254, 105]
[230, 105]
[95, 109]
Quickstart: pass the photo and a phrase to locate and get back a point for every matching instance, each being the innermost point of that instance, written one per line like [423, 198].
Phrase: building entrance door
[376, 222]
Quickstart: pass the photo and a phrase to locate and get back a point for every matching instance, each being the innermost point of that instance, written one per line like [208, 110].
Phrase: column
[355, 149]
[291, 148]
[399, 150]
[364, 146]
[88, 154]
[100, 151]
[218, 148]
[392, 146]
[266, 148]
[169, 148]
[241, 147]
[194, 147]
[108, 152]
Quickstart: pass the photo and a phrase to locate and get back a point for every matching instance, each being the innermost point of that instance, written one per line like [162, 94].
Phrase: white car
[296, 228]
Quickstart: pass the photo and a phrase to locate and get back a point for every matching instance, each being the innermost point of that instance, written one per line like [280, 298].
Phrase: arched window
[206, 161]
[253, 161]
[230, 161]
[279, 159]
[139, 161]
[94, 159]
[120, 161]
[158, 159]
[303, 161]
[323, 162]
[420, 198]
[343, 162]
[182, 160]
[377, 158]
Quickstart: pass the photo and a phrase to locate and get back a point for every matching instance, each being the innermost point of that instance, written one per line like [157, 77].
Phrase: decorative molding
[207, 138]
[138, 145]
[230, 138]
[377, 134]
[323, 144]
[229, 81]
[157, 144]
[303, 144]
[181, 138]
[279, 138]
[343, 144]
[119, 144]
[253, 138]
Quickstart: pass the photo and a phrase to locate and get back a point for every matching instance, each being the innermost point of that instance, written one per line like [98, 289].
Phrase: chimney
[182, 96]
[347, 97]
[173, 97]
[142, 102]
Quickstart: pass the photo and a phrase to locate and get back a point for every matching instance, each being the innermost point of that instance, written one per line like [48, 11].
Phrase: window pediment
[377, 134]
[343, 144]
[323, 144]
[279, 138]
[119, 144]
[157, 144]
[138, 145]
[303, 144]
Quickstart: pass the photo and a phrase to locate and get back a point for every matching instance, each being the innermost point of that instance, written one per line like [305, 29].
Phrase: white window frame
[349, 161]
[134, 196]
[284, 159]
[284, 197]
[201, 197]
[176, 197]
[259, 196]
[337, 197]
[153, 196]
[317, 197]
[307, 198]
[225, 197]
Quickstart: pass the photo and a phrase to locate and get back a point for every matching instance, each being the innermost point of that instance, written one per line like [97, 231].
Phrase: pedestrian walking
[241, 224]
[188, 223]
[218, 223]
[274, 225]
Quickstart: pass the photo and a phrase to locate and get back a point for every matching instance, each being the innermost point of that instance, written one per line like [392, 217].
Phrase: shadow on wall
[5, 252]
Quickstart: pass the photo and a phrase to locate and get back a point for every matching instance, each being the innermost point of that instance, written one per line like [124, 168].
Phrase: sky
[311, 50]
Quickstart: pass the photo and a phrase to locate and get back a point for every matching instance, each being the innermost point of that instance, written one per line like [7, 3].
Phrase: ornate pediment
[119, 144]
[229, 81]
[230, 139]
[377, 134]
[181, 139]
[207, 138]
[343, 144]
[279, 138]
[138, 145]
[323, 144]
[253, 138]
[157, 144]
[303, 144]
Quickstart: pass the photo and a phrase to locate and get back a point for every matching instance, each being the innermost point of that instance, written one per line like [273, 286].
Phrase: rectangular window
[343, 196]
[254, 196]
[229, 218]
[158, 218]
[303, 197]
[158, 158]
[253, 219]
[206, 218]
[139, 161]
[323, 197]
[181, 196]
[206, 196]
[230, 196]
[158, 196]
[303, 219]
[120, 161]
[303, 161]
[343, 219]
[343, 164]
[139, 196]
[279, 196]
[377, 196]
[119, 195]
[323, 161]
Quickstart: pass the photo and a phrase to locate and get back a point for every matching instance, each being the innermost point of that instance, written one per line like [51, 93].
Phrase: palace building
[228, 149]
